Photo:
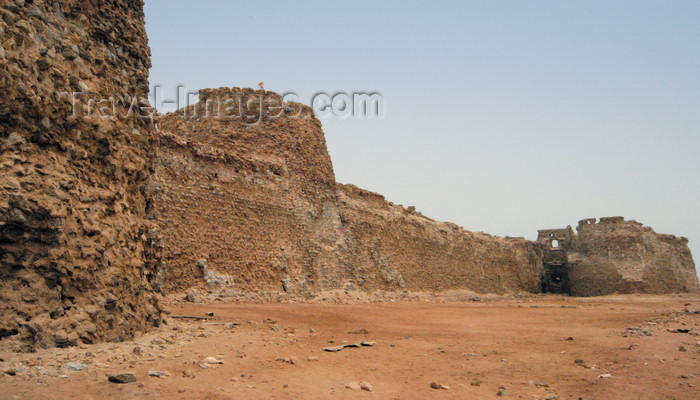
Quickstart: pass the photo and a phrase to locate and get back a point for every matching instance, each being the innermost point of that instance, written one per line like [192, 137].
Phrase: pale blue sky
[501, 116]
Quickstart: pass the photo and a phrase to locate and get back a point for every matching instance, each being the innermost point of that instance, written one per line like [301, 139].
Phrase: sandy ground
[523, 348]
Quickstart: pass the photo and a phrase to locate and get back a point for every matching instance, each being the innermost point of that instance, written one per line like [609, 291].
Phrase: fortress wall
[618, 256]
[76, 251]
[389, 240]
[256, 200]
[259, 203]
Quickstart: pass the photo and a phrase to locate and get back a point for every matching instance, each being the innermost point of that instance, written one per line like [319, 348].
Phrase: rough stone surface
[254, 194]
[260, 203]
[126, 377]
[612, 255]
[76, 255]
[250, 188]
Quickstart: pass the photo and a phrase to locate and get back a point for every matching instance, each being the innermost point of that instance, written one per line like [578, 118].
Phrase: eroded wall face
[76, 252]
[256, 200]
[618, 256]
[259, 202]
[556, 244]
[430, 255]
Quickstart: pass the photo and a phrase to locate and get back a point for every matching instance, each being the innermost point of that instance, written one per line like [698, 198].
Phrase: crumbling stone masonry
[260, 203]
[100, 213]
[615, 256]
[77, 253]
[556, 244]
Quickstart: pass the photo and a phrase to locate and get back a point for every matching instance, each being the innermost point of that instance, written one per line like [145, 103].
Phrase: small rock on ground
[158, 374]
[73, 366]
[437, 386]
[126, 377]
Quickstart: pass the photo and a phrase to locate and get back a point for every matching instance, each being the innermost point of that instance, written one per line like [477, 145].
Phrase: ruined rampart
[76, 251]
[259, 202]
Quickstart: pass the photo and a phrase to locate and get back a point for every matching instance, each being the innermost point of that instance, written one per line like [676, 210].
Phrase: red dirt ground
[506, 343]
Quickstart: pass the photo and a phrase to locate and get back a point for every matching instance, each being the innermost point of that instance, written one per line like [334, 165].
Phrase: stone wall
[618, 256]
[254, 199]
[556, 244]
[390, 241]
[76, 252]
[251, 190]
[258, 200]
[241, 190]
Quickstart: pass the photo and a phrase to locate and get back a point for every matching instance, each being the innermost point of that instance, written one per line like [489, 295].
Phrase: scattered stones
[353, 386]
[580, 363]
[46, 372]
[16, 369]
[192, 295]
[188, 374]
[475, 382]
[73, 366]
[502, 393]
[158, 374]
[682, 349]
[136, 351]
[288, 360]
[366, 386]
[312, 358]
[604, 376]
[125, 377]
[552, 397]
[362, 331]
[362, 343]
[437, 386]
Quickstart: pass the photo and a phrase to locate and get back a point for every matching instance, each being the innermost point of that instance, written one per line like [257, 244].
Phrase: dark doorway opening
[555, 279]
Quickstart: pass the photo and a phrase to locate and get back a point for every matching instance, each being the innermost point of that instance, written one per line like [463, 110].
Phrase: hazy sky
[501, 116]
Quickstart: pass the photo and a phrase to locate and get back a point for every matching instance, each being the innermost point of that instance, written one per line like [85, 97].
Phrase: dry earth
[526, 348]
